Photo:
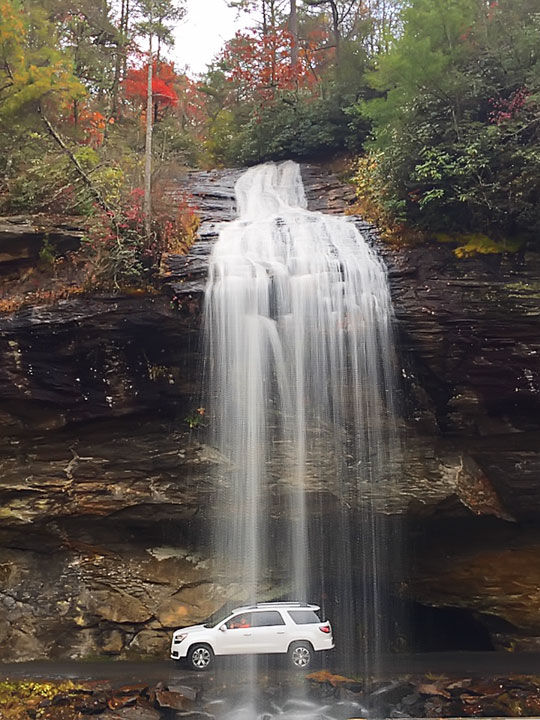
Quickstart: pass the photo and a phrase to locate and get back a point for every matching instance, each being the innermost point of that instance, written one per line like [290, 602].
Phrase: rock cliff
[104, 477]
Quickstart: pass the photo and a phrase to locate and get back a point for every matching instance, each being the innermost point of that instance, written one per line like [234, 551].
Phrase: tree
[457, 122]
[121, 61]
[40, 89]
[34, 69]
[426, 63]
[384, 21]
[155, 21]
[270, 14]
[350, 22]
[164, 78]
[293, 29]
[258, 67]
[335, 20]
[87, 32]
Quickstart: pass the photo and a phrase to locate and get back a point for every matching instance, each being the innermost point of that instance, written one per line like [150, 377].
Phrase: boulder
[173, 700]
[150, 643]
[113, 642]
[116, 606]
[190, 605]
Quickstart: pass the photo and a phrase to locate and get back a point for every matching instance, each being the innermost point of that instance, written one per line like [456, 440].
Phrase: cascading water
[300, 397]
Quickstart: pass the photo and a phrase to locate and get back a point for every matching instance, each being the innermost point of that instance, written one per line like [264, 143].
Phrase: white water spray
[300, 397]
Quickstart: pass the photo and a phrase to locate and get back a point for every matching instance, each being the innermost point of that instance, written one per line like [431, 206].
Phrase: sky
[208, 24]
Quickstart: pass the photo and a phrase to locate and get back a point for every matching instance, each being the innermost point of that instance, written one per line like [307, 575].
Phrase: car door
[234, 637]
[269, 634]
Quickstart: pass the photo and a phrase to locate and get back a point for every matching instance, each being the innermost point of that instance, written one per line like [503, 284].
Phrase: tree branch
[80, 170]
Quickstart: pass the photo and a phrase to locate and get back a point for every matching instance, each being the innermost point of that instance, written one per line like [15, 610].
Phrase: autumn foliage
[258, 66]
[93, 125]
[163, 80]
[118, 250]
[441, 99]
[505, 109]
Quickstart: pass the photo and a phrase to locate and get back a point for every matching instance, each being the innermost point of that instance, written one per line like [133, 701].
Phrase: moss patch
[471, 244]
[21, 700]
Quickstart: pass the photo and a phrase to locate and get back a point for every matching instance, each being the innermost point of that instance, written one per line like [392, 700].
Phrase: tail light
[325, 629]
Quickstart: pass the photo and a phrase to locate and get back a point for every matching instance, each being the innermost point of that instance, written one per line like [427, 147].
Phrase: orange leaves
[178, 222]
[260, 65]
[93, 124]
[325, 676]
[164, 77]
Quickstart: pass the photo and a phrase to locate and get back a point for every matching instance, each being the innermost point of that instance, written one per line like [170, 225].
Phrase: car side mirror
[223, 628]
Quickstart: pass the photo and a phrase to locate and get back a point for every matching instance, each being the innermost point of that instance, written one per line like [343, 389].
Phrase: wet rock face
[22, 238]
[104, 487]
[101, 480]
[501, 576]
[103, 550]
[471, 327]
[94, 358]
[90, 566]
[469, 334]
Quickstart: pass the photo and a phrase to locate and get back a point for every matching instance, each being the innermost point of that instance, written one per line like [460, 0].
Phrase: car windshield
[218, 617]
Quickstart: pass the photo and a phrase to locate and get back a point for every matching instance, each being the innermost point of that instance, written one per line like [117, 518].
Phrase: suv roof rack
[276, 603]
[283, 604]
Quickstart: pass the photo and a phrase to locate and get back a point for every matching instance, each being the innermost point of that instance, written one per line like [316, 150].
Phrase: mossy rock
[19, 696]
[471, 244]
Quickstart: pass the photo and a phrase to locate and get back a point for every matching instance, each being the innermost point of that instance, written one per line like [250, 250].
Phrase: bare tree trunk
[293, 28]
[120, 50]
[337, 34]
[335, 22]
[158, 70]
[273, 59]
[126, 35]
[148, 146]
[273, 15]
[265, 18]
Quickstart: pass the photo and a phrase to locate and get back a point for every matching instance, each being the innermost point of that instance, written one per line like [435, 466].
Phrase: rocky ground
[322, 696]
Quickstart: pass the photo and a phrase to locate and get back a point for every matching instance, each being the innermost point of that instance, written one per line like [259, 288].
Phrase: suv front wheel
[300, 655]
[200, 657]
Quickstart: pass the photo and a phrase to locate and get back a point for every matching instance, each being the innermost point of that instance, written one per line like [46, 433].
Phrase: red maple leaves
[163, 80]
[505, 109]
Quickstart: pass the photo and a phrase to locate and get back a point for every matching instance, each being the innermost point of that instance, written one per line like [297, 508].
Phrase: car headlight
[177, 639]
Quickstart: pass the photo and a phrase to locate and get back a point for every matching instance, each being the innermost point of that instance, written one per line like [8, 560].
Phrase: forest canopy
[435, 102]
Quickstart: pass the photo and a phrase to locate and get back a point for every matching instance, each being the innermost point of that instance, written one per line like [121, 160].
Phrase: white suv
[289, 628]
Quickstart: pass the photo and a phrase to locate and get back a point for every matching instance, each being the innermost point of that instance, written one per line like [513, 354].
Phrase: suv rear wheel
[300, 655]
[200, 657]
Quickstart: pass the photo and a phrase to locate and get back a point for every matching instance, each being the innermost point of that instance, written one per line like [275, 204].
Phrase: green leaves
[457, 123]
[32, 69]
[156, 17]
[304, 128]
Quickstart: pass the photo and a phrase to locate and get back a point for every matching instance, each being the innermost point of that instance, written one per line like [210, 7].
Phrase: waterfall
[300, 401]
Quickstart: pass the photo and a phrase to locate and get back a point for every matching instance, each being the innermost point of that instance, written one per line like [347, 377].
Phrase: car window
[218, 617]
[271, 617]
[242, 620]
[304, 617]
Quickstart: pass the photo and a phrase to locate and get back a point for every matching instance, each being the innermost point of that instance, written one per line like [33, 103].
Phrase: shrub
[457, 123]
[117, 252]
[286, 127]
